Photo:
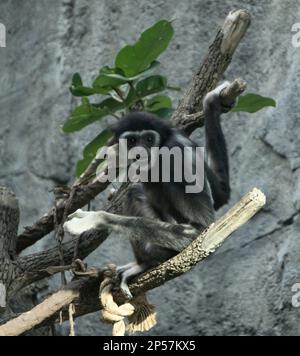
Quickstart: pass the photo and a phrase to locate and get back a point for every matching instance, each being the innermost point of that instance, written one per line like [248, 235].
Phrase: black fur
[218, 171]
[138, 121]
[168, 201]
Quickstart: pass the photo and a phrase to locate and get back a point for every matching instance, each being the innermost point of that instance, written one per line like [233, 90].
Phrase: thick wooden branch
[83, 195]
[35, 267]
[210, 72]
[204, 245]
[84, 292]
[37, 315]
[32, 268]
[189, 122]
[217, 60]
[9, 221]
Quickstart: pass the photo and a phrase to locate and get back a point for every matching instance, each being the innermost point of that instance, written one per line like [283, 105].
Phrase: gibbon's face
[139, 136]
[144, 138]
[139, 145]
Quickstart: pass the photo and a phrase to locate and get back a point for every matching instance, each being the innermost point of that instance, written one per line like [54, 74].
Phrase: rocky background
[245, 288]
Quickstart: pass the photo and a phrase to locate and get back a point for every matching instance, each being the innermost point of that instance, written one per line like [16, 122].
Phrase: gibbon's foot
[125, 274]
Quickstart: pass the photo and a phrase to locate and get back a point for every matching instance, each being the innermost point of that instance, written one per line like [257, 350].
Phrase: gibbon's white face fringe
[153, 164]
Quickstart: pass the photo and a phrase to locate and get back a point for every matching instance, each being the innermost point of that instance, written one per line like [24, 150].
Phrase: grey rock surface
[246, 287]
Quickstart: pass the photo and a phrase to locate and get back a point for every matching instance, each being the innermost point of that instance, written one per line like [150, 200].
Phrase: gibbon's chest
[162, 199]
[174, 205]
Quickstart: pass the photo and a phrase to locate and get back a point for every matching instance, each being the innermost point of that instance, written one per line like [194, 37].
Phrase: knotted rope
[139, 313]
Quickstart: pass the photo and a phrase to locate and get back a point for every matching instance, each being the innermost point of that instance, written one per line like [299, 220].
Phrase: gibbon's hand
[82, 221]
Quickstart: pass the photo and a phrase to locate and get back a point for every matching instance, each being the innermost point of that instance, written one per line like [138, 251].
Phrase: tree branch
[210, 72]
[9, 221]
[87, 302]
[217, 60]
[189, 122]
[34, 267]
[82, 196]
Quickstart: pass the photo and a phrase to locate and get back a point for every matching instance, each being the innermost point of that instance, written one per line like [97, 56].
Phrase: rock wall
[245, 288]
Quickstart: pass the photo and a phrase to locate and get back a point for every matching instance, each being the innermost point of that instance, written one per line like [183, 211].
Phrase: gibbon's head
[141, 129]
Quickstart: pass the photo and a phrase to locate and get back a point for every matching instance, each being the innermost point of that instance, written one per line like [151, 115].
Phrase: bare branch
[27, 321]
[210, 72]
[191, 121]
[9, 222]
[83, 195]
[198, 250]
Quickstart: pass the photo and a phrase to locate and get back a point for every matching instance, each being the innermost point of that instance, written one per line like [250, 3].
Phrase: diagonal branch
[213, 67]
[84, 292]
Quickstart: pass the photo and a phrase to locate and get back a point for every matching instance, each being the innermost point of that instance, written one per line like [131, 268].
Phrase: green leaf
[252, 103]
[84, 115]
[134, 59]
[151, 85]
[105, 82]
[153, 65]
[159, 102]
[111, 104]
[78, 89]
[76, 80]
[82, 91]
[81, 166]
[92, 148]
[131, 97]
[90, 151]
[163, 113]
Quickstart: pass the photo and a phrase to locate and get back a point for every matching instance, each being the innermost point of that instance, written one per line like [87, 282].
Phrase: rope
[139, 313]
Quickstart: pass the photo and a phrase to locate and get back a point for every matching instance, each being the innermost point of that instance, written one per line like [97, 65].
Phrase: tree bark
[9, 222]
[210, 72]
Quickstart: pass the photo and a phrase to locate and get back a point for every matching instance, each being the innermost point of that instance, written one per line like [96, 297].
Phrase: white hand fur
[82, 221]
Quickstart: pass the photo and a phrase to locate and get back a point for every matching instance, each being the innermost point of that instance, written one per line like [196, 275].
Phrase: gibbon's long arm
[173, 236]
[218, 166]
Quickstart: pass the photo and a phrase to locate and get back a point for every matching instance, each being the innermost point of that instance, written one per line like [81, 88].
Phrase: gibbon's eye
[150, 139]
[131, 140]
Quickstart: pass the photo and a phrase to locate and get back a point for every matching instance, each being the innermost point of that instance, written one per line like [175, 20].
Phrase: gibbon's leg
[147, 254]
[121, 269]
[218, 170]
[128, 274]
